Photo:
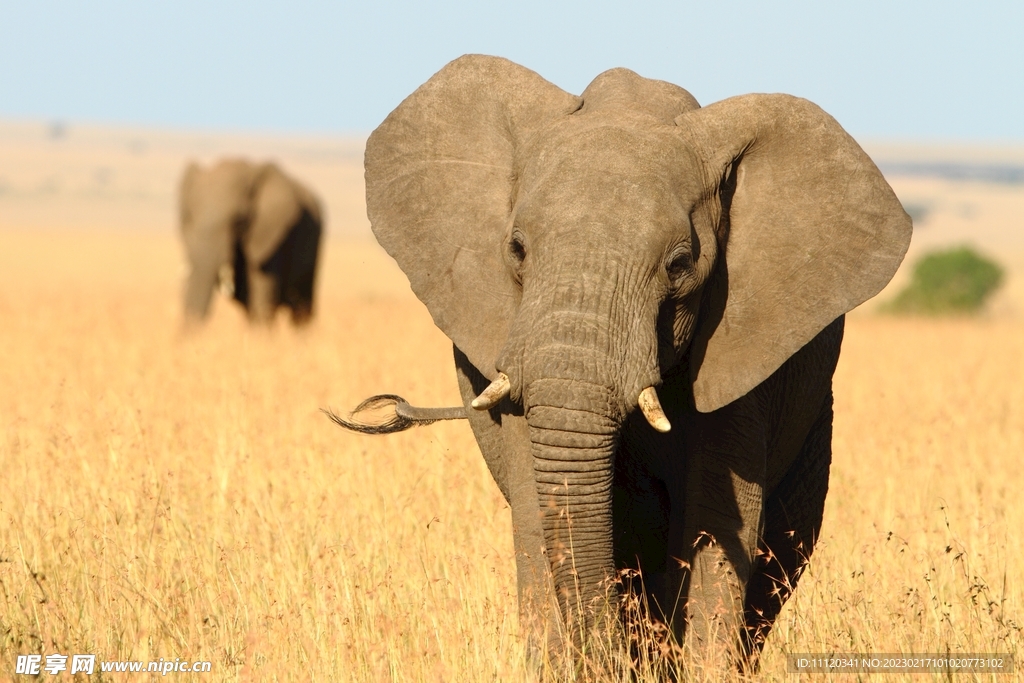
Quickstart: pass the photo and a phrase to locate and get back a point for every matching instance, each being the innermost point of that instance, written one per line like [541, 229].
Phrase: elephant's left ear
[810, 228]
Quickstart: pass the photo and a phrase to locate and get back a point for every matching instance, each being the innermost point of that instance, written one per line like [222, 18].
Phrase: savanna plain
[171, 496]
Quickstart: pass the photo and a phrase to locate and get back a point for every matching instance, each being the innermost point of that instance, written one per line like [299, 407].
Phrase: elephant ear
[810, 229]
[276, 208]
[439, 184]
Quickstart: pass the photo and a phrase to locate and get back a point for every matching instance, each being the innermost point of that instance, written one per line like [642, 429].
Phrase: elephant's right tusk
[651, 407]
[492, 395]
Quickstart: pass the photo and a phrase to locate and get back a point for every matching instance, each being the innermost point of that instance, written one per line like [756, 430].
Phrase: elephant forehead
[593, 151]
[610, 174]
[221, 190]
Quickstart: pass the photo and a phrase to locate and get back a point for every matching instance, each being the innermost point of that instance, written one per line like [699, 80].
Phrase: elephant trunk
[579, 357]
[573, 448]
[208, 246]
[202, 280]
[576, 401]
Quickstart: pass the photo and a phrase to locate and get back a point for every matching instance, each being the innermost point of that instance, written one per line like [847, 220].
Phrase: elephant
[253, 231]
[646, 300]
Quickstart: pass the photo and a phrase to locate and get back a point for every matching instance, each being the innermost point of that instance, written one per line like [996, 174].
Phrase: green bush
[951, 281]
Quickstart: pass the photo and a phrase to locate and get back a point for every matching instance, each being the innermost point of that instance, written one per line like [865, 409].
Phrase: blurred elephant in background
[252, 231]
[646, 300]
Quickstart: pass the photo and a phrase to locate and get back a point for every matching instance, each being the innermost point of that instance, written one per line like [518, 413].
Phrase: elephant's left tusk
[492, 395]
[651, 407]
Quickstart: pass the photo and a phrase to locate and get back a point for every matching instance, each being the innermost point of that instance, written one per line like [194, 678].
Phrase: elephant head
[579, 250]
[255, 232]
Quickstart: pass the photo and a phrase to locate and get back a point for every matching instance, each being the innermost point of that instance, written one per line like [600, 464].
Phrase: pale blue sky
[936, 70]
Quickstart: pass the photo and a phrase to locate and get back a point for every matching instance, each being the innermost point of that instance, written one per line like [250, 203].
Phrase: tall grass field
[183, 497]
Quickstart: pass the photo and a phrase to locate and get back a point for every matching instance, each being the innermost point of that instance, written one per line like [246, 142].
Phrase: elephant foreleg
[263, 296]
[793, 514]
[714, 543]
[720, 567]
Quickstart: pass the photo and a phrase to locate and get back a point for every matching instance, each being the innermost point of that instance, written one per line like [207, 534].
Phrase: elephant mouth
[650, 405]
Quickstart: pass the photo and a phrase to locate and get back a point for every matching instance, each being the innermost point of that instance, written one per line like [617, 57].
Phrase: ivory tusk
[651, 407]
[492, 395]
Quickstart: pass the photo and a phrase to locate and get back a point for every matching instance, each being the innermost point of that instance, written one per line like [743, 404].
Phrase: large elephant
[253, 231]
[646, 300]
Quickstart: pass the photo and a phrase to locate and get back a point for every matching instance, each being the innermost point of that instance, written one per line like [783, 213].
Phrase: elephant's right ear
[439, 180]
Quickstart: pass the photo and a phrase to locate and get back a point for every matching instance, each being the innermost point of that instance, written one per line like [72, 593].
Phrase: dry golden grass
[170, 497]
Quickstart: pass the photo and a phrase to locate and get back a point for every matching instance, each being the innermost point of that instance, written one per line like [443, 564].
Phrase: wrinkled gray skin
[253, 231]
[592, 246]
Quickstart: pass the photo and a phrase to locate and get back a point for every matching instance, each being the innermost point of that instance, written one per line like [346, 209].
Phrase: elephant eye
[679, 266]
[516, 249]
